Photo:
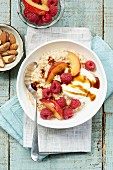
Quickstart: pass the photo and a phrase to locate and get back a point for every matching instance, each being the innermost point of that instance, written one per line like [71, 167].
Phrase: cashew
[4, 47]
[9, 59]
[12, 39]
[14, 47]
[2, 64]
[10, 52]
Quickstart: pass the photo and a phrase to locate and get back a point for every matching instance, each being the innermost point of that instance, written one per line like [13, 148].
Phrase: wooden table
[98, 16]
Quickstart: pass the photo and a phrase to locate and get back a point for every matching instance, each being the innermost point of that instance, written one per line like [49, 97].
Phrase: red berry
[61, 102]
[68, 113]
[75, 103]
[66, 78]
[47, 18]
[53, 10]
[32, 17]
[37, 1]
[40, 21]
[26, 12]
[55, 87]
[90, 65]
[46, 93]
[46, 114]
[52, 2]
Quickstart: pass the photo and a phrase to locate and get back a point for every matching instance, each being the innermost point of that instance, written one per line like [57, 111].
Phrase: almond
[12, 39]
[9, 59]
[7, 36]
[4, 47]
[2, 64]
[14, 47]
[0, 31]
[3, 37]
[10, 52]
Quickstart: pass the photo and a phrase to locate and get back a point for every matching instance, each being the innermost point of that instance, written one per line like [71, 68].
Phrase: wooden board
[108, 107]
[4, 92]
[77, 13]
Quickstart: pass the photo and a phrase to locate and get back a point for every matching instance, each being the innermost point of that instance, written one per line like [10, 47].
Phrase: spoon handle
[35, 147]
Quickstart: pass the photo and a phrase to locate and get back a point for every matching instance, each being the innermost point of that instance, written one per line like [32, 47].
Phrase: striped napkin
[77, 139]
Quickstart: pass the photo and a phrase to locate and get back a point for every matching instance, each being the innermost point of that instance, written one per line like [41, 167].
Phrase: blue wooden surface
[97, 15]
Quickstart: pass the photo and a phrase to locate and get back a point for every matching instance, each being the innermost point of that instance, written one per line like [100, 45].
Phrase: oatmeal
[65, 81]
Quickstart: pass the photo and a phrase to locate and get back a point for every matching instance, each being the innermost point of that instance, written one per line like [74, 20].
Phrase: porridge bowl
[70, 82]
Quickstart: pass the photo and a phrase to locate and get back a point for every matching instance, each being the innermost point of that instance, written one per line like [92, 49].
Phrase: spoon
[27, 80]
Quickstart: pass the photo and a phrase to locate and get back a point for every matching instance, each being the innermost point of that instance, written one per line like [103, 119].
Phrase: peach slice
[45, 2]
[54, 107]
[56, 68]
[74, 62]
[35, 8]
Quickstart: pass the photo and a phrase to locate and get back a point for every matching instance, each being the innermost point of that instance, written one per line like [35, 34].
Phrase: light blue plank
[108, 34]
[108, 142]
[4, 90]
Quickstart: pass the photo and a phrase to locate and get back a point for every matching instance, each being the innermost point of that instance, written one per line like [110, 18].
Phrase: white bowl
[84, 114]
[19, 41]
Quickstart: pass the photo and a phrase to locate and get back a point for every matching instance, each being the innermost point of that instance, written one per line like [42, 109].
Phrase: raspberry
[52, 2]
[47, 18]
[90, 65]
[68, 113]
[46, 93]
[61, 102]
[66, 78]
[39, 22]
[75, 103]
[46, 114]
[26, 12]
[53, 10]
[32, 17]
[37, 1]
[55, 87]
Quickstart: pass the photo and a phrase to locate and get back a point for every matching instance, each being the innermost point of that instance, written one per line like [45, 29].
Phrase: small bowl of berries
[40, 13]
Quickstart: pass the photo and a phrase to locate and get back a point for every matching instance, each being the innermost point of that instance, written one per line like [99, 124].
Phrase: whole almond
[0, 31]
[12, 39]
[4, 47]
[2, 63]
[3, 37]
[14, 47]
[10, 52]
[9, 59]
[7, 36]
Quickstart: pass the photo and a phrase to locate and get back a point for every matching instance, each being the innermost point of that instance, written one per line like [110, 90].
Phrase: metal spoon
[27, 80]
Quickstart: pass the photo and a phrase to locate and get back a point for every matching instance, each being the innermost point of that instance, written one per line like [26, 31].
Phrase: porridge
[65, 81]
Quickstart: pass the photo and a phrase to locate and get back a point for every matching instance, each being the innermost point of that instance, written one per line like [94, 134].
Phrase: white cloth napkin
[76, 139]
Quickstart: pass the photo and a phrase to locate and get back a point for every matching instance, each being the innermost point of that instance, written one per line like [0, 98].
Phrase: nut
[3, 37]
[4, 47]
[9, 59]
[14, 47]
[2, 64]
[0, 31]
[10, 52]
[12, 39]
[7, 36]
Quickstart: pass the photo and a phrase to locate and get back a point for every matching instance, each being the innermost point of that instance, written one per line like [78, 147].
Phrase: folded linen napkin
[77, 139]
[11, 113]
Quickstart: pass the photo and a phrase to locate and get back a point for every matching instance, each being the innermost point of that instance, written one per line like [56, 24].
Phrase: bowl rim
[54, 41]
[22, 43]
[62, 4]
